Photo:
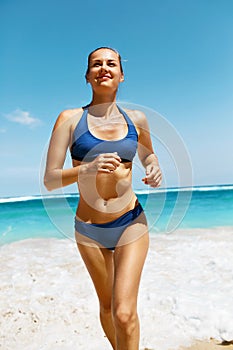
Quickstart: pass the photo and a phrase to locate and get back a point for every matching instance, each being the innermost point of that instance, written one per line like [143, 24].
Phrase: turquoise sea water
[202, 207]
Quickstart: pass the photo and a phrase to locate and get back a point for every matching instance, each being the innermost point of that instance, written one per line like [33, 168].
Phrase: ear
[122, 78]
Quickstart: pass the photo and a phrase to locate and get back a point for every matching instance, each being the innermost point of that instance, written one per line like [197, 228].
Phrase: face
[104, 69]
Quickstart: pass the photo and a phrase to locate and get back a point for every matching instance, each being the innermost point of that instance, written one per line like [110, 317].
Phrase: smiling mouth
[104, 77]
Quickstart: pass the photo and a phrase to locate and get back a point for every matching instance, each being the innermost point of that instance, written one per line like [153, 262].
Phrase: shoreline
[191, 232]
[48, 300]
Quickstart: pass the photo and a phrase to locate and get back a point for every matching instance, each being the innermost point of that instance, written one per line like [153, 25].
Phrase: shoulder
[68, 117]
[137, 117]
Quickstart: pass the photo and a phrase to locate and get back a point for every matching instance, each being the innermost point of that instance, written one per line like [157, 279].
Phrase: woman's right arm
[55, 176]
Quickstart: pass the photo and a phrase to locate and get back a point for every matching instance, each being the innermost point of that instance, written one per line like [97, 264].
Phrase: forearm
[153, 172]
[150, 159]
[57, 178]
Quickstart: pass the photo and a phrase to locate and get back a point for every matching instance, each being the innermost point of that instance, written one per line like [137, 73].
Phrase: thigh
[129, 261]
[99, 263]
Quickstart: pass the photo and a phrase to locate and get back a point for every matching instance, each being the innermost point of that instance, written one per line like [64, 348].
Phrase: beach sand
[48, 301]
[212, 344]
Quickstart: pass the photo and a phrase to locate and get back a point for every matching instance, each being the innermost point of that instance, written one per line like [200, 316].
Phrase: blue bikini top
[86, 147]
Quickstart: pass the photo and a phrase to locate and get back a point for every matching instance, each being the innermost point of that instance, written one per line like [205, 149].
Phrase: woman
[111, 229]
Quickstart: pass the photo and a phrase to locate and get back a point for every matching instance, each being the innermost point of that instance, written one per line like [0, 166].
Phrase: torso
[105, 196]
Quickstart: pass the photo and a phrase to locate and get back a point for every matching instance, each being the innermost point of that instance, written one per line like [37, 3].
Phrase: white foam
[18, 199]
[48, 301]
[137, 191]
[186, 189]
[37, 197]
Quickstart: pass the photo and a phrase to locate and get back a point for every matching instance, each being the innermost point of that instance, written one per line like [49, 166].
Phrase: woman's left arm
[146, 153]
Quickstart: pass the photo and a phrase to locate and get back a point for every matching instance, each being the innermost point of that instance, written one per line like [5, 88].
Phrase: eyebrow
[109, 60]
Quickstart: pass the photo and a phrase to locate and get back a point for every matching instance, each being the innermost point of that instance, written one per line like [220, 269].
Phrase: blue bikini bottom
[109, 233]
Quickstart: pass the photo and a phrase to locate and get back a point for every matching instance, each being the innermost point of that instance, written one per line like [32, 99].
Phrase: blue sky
[177, 57]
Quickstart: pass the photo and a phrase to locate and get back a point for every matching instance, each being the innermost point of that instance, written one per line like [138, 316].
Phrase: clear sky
[177, 58]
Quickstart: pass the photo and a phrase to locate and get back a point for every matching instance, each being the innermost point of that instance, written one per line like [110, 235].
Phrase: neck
[103, 110]
[102, 105]
[98, 99]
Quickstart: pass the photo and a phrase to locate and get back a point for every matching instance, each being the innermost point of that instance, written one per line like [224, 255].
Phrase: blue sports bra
[86, 147]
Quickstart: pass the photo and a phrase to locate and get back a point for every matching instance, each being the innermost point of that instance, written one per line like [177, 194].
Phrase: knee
[125, 318]
[105, 307]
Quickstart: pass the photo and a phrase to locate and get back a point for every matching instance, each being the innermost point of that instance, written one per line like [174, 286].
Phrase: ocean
[200, 207]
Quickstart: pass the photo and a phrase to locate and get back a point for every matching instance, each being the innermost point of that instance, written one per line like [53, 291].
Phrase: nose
[104, 66]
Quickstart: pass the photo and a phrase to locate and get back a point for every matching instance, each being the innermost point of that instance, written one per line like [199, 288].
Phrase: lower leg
[127, 332]
[108, 326]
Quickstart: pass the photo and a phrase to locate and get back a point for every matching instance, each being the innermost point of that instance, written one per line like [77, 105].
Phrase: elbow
[52, 180]
[48, 184]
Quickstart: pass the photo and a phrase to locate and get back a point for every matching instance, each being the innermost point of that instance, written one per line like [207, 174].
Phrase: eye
[97, 64]
[112, 64]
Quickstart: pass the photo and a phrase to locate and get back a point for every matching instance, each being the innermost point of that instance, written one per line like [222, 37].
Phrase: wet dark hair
[100, 48]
